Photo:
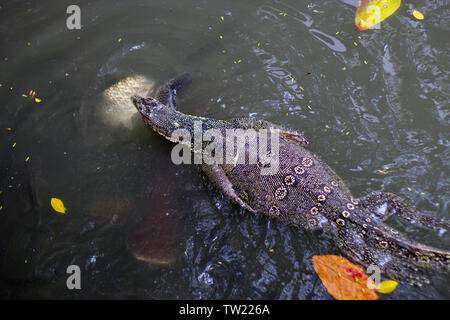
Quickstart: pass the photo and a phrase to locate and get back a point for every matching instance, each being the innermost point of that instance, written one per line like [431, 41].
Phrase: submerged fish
[116, 108]
[153, 239]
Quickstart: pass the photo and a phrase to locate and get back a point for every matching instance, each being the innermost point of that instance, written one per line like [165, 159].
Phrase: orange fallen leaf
[342, 279]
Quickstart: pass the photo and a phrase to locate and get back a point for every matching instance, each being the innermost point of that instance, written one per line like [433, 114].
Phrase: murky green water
[373, 104]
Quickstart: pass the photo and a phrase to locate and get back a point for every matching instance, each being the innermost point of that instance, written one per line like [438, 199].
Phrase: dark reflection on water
[367, 101]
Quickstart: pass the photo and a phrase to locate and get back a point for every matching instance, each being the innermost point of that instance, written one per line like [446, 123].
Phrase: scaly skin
[306, 192]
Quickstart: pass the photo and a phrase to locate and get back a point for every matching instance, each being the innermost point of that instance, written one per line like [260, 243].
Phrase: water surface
[373, 104]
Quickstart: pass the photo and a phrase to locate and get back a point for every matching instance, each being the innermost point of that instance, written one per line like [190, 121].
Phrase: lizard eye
[151, 102]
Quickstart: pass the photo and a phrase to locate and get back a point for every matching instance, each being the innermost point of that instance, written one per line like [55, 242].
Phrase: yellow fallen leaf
[371, 12]
[418, 15]
[58, 205]
[387, 286]
[37, 100]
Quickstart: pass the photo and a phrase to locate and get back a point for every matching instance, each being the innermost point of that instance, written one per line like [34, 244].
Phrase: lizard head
[154, 113]
[146, 106]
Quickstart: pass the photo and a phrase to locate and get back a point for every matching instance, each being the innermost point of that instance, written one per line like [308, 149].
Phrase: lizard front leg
[218, 177]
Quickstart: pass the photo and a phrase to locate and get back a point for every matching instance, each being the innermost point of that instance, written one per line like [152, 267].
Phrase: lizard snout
[136, 99]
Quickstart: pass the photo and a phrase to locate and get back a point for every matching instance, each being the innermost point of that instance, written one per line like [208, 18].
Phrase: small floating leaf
[387, 286]
[58, 205]
[418, 15]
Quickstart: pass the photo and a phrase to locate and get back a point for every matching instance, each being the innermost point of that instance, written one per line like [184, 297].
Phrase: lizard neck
[172, 124]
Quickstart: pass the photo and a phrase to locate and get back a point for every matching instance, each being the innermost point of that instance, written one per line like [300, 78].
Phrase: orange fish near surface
[371, 12]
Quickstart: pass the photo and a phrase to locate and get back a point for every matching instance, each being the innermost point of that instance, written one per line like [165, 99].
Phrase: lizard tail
[372, 242]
